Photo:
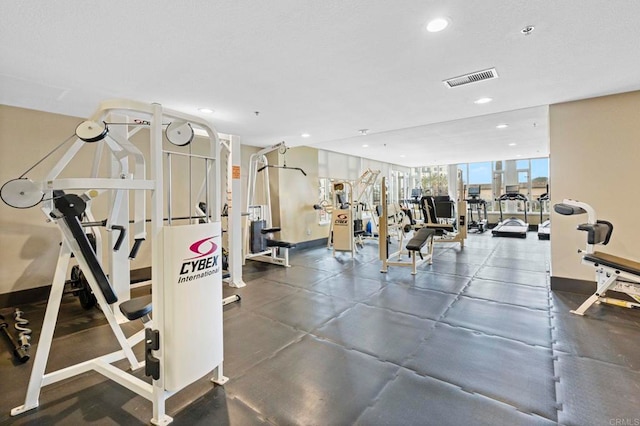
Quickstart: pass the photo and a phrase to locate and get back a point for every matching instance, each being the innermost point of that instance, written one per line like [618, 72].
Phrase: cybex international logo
[203, 248]
[202, 265]
[341, 219]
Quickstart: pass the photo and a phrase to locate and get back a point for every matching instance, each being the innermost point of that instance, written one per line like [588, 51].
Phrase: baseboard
[21, 297]
[572, 285]
[313, 243]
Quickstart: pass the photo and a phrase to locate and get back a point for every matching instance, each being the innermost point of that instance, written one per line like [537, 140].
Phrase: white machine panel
[342, 230]
[192, 338]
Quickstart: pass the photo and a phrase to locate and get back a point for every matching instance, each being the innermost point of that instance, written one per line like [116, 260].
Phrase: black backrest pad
[69, 207]
[599, 233]
[428, 207]
[90, 256]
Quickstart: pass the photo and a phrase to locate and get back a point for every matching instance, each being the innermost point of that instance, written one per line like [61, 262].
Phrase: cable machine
[259, 243]
[185, 249]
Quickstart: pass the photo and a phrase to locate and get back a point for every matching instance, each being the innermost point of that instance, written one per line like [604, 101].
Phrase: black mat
[508, 371]
[527, 296]
[596, 393]
[475, 256]
[537, 264]
[447, 283]
[415, 400]
[348, 287]
[249, 339]
[530, 326]
[607, 341]
[537, 279]
[257, 293]
[450, 267]
[298, 276]
[415, 301]
[387, 335]
[313, 382]
[216, 408]
[304, 310]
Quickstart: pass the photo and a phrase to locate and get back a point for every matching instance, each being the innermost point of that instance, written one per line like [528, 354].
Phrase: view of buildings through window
[531, 176]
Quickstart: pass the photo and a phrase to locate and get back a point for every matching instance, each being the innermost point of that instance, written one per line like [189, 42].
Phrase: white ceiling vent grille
[473, 77]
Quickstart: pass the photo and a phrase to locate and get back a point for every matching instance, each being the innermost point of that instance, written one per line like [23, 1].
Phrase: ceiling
[273, 70]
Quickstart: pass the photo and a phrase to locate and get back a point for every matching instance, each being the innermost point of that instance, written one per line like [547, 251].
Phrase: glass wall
[531, 175]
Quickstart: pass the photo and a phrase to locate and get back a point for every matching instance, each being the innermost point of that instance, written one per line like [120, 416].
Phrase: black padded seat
[136, 308]
[269, 230]
[420, 239]
[276, 243]
[615, 262]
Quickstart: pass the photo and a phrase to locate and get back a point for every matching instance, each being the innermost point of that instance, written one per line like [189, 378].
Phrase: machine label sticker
[202, 265]
[341, 220]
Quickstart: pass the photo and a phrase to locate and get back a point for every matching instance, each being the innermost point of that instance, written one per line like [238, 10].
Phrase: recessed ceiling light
[305, 135]
[363, 131]
[365, 146]
[402, 155]
[518, 155]
[512, 144]
[206, 110]
[502, 126]
[437, 24]
[482, 101]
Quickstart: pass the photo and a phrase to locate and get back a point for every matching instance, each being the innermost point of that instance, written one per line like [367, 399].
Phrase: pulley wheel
[21, 193]
[179, 133]
[90, 131]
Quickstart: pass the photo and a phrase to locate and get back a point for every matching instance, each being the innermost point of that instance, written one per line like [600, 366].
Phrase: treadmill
[512, 227]
[480, 206]
[544, 228]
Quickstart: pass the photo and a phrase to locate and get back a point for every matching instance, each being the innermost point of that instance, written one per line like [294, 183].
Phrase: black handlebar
[136, 246]
[120, 240]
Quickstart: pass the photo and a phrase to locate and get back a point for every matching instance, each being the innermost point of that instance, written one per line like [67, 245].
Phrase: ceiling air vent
[474, 77]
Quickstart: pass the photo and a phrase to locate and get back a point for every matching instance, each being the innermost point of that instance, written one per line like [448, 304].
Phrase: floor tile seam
[435, 290]
[484, 333]
[238, 398]
[545, 272]
[376, 397]
[493, 280]
[505, 303]
[272, 355]
[303, 330]
[596, 360]
[546, 286]
[478, 392]
[397, 312]
[353, 349]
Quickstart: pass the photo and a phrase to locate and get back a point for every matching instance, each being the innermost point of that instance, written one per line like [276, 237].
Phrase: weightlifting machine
[612, 272]
[446, 217]
[259, 243]
[421, 237]
[347, 227]
[185, 253]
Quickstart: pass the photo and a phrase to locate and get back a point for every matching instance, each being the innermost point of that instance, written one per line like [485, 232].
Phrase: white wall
[595, 157]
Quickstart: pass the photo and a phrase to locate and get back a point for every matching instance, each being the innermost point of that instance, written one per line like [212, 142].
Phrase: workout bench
[612, 272]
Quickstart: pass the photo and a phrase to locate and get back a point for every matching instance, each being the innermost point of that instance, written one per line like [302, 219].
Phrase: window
[434, 180]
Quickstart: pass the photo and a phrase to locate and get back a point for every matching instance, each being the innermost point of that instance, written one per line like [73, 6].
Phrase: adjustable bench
[612, 272]
[273, 247]
[421, 237]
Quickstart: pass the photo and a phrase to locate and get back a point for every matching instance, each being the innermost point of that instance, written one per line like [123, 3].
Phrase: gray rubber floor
[477, 338]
